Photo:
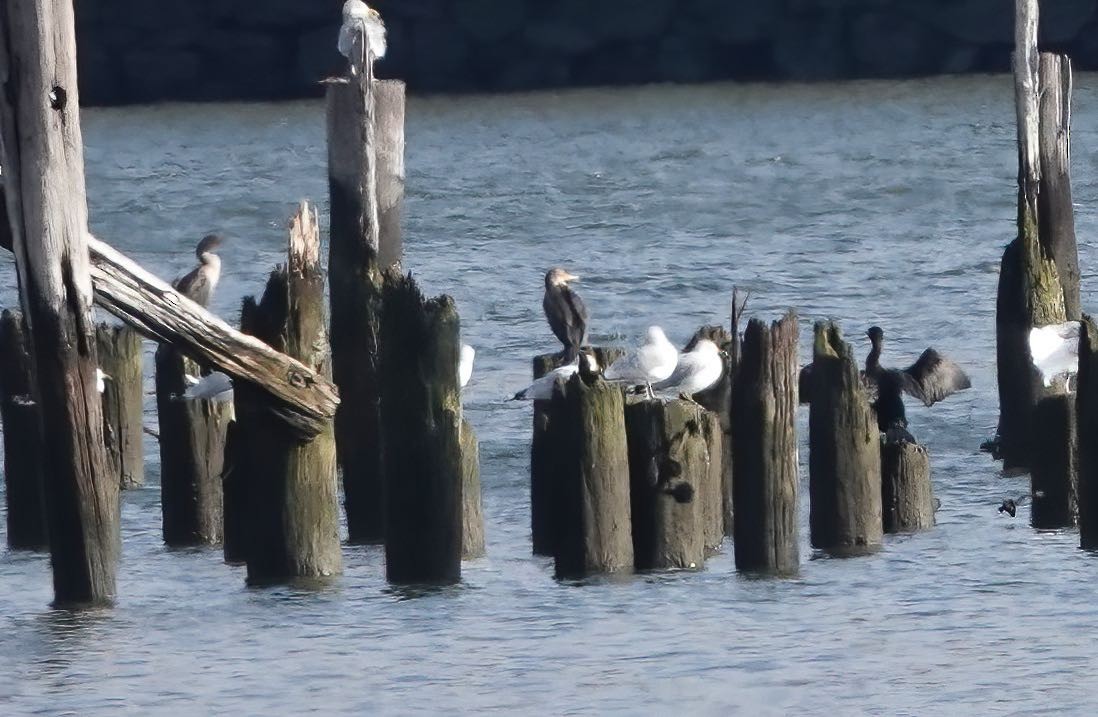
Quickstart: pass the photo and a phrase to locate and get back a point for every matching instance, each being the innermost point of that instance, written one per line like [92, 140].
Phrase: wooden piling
[192, 454]
[1054, 470]
[594, 532]
[420, 435]
[668, 468]
[718, 399]
[291, 487]
[234, 490]
[1086, 402]
[24, 452]
[907, 495]
[844, 451]
[43, 165]
[389, 119]
[543, 468]
[359, 163]
[765, 434]
[1031, 291]
[123, 397]
[472, 512]
[714, 501]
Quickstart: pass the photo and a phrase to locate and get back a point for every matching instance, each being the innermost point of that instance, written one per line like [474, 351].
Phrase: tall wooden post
[43, 164]
[366, 185]
[543, 469]
[24, 452]
[765, 434]
[1055, 463]
[718, 399]
[123, 402]
[420, 434]
[907, 495]
[1031, 292]
[292, 515]
[844, 453]
[472, 511]
[1087, 416]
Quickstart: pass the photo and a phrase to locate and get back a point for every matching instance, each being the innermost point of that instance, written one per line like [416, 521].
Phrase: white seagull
[362, 28]
[465, 364]
[1055, 350]
[101, 380]
[542, 389]
[652, 362]
[215, 387]
[696, 371]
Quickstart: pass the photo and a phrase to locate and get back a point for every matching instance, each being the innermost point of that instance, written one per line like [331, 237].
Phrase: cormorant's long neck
[211, 264]
[873, 360]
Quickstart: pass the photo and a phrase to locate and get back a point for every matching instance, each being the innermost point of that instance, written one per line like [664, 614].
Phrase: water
[874, 203]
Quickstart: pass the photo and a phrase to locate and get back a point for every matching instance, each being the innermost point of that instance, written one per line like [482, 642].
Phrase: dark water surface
[885, 203]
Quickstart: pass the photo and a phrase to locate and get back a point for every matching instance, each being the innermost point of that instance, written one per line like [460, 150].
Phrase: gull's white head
[655, 335]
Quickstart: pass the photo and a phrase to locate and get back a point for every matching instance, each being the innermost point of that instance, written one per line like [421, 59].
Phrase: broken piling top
[844, 451]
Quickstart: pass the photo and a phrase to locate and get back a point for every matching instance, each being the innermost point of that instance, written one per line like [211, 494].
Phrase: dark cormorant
[565, 311]
[199, 284]
[930, 379]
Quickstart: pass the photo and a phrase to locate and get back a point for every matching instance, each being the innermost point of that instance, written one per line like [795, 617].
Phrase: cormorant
[653, 361]
[199, 284]
[565, 311]
[696, 371]
[930, 379]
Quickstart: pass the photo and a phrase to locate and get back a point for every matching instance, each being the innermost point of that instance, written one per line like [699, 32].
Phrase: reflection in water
[873, 203]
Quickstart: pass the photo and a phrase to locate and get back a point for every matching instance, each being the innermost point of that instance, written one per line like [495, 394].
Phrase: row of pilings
[621, 481]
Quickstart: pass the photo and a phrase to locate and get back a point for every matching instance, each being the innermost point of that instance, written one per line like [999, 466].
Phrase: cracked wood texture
[764, 409]
[123, 402]
[43, 161]
[290, 485]
[844, 451]
[907, 495]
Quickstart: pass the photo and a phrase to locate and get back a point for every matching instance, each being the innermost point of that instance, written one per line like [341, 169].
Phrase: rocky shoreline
[131, 52]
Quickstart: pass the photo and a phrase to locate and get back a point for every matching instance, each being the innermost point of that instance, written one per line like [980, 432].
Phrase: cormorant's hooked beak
[568, 277]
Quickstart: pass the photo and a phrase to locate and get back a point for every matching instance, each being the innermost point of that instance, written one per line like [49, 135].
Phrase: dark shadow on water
[296, 587]
[853, 551]
[424, 590]
[624, 577]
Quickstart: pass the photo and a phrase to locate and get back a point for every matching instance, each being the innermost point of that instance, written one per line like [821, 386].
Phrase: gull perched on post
[362, 36]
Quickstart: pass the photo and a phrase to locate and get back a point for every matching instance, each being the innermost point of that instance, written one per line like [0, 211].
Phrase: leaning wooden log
[907, 495]
[668, 466]
[43, 163]
[1030, 292]
[844, 451]
[472, 512]
[120, 360]
[420, 434]
[292, 491]
[1054, 463]
[24, 451]
[192, 454]
[1086, 403]
[764, 430]
[718, 399]
[587, 423]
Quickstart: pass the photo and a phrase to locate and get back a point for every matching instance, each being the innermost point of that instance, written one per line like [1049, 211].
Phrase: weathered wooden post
[43, 164]
[1086, 402]
[120, 360]
[192, 454]
[472, 512]
[844, 451]
[291, 488]
[365, 240]
[1055, 462]
[907, 495]
[234, 497]
[668, 465]
[594, 533]
[543, 469]
[718, 399]
[24, 452]
[1032, 291]
[765, 450]
[420, 435]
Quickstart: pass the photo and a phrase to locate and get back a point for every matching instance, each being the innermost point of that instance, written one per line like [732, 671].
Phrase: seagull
[1054, 350]
[198, 285]
[214, 387]
[542, 389]
[565, 312]
[465, 364]
[652, 362]
[696, 370]
[362, 29]
[101, 380]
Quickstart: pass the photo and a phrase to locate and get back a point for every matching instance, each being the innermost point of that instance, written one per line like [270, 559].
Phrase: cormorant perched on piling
[930, 379]
[199, 284]
[565, 311]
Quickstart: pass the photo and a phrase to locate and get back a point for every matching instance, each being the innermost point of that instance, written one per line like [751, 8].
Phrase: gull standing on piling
[199, 284]
[542, 389]
[1054, 350]
[362, 29]
[696, 370]
[465, 364]
[652, 362]
[565, 311]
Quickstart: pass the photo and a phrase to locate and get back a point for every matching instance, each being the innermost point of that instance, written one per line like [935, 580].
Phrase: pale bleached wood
[389, 101]
[1025, 90]
[43, 160]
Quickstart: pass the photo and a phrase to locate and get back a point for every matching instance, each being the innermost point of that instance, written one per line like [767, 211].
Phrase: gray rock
[247, 64]
[490, 20]
[631, 20]
[1063, 20]
[736, 22]
[439, 57]
[809, 47]
[891, 44]
[680, 59]
[154, 75]
[317, 57]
